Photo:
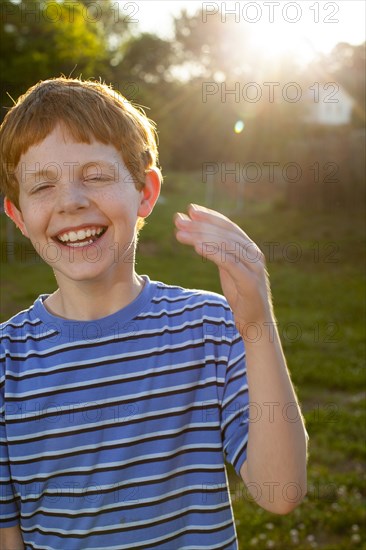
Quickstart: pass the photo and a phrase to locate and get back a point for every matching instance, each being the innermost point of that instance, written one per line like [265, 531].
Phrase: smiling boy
[121, 396]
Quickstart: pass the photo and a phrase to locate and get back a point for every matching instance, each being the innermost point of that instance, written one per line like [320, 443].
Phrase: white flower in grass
[355, 539]
[254, 542]
[269, 526]
[270, 544]
[355, 527]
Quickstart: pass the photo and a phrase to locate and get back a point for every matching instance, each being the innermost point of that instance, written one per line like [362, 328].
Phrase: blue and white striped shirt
[114, 432]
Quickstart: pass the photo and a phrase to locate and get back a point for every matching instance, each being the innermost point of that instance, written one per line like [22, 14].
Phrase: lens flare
[239, 126]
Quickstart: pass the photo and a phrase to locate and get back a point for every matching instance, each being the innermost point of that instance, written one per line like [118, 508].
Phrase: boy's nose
[71, 197]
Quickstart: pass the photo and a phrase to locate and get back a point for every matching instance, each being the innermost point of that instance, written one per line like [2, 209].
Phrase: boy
[122, 396]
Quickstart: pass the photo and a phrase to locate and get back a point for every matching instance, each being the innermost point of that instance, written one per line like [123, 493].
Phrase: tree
[210, 47]
[348, 64]
[44, 39]
[147, 58]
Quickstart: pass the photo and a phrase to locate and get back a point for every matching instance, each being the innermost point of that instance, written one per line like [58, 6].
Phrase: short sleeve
[9, 514]
[235, 405]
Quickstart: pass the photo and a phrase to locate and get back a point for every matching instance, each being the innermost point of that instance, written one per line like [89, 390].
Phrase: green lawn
[316, 266]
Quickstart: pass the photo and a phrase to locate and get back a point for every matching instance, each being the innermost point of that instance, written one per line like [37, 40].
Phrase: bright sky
[303, 27]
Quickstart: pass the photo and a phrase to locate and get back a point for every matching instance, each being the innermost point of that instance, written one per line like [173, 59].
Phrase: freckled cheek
[119, 203]
[38, 215]
[35, 216]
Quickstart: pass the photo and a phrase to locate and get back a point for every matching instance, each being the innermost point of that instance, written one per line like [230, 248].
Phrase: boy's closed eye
[98, 171]
[99, 177]
[41, 187]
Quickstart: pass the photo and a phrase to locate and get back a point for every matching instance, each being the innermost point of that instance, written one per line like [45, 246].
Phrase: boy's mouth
[81, 237]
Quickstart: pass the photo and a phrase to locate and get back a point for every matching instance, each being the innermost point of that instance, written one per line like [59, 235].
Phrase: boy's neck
[90, 302]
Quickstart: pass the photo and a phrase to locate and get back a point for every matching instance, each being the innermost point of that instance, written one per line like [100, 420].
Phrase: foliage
[147, 58]
[347, 65]
[45, 39]
[194, 85]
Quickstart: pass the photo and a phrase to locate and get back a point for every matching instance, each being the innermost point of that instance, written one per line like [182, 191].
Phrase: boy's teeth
[81, 244]
[79, 235]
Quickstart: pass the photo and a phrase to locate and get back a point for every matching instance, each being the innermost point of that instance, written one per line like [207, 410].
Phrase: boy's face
[79, 207]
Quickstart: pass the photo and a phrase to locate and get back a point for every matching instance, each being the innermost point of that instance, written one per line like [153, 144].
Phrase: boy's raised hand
[277, 451]
[241, 263]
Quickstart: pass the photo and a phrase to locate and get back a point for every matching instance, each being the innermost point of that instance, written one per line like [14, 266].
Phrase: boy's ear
[150, 193]
[14, 214]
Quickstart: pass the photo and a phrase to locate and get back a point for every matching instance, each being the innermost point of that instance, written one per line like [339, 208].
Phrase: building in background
[329, 104]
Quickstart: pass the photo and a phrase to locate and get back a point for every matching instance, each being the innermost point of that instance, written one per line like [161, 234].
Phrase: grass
[316, 266]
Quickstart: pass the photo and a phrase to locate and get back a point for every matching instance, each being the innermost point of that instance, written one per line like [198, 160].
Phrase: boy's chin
[82, 272]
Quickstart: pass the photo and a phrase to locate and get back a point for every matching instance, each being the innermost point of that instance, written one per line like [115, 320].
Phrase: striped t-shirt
[114, 432]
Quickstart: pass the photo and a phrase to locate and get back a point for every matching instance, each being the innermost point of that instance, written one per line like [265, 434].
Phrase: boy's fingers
[207, 224]
[211, 216]
[198, 210]
[201, 214]
[223, 250]
[179, 217]
[204, 232]
[218, 239]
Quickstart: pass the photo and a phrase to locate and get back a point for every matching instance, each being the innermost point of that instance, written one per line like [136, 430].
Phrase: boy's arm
[275, 468]
[11, 538]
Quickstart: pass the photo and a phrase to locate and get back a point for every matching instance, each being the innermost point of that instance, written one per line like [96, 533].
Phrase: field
[316, 266]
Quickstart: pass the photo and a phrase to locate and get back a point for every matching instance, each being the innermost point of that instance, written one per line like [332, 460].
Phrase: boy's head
[89, 111]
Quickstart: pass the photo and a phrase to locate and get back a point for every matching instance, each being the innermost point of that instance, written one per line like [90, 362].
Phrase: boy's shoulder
[179, 304]
[169, 294]
[25, 320]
